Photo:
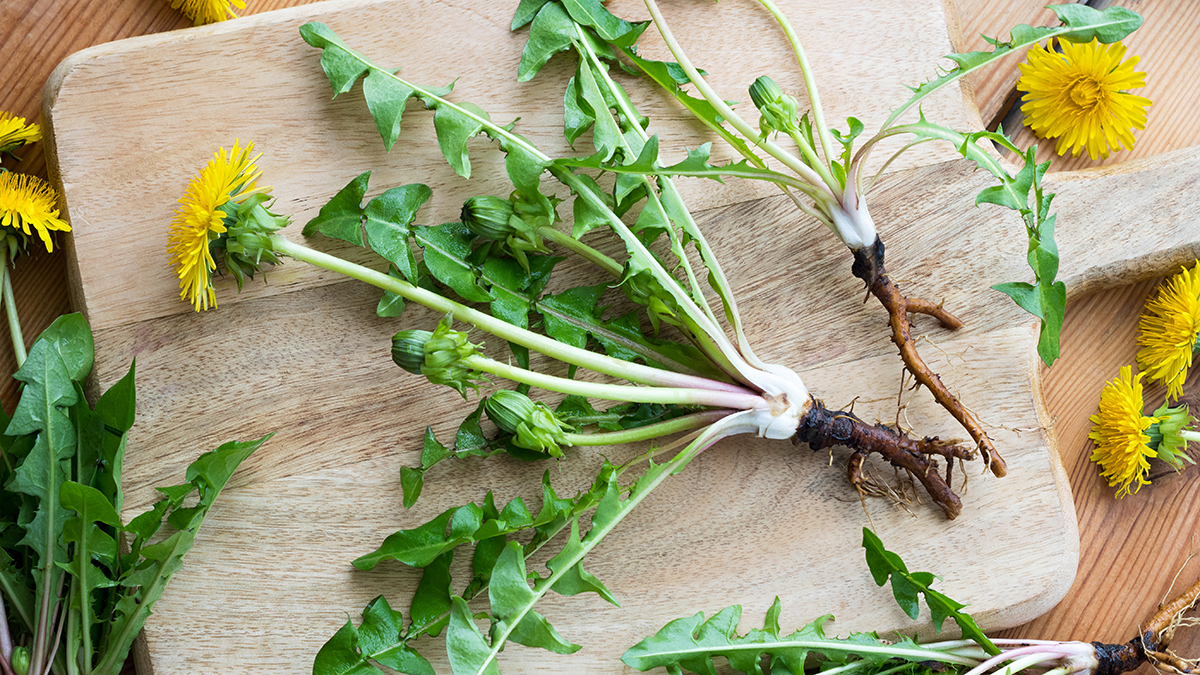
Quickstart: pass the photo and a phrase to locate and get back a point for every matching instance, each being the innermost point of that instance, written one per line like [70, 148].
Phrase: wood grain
[1131, 549]
[305, 356]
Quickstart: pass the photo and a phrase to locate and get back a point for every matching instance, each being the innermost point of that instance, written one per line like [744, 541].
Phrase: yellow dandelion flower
[1119, 431]
[14, 133]
[1168, 330]
[27, 205]
[228, 177]
[1079, 97]
[203, 12]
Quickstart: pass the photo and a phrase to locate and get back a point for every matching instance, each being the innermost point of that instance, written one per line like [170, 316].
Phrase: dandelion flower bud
[535, 427]
[489, 217]
[779, 111]
[20, 660]
[408, 349]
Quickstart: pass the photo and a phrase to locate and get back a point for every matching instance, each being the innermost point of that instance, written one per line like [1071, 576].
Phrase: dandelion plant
[678, 365]
[694, 644]
[829, 179]
[72, 600]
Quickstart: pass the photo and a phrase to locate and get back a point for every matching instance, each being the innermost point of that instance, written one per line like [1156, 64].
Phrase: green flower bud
[534, 425]
[1166, 435]
[779, 111]
[444, 352]
[20, 660]
[489, 217]
[408, 349]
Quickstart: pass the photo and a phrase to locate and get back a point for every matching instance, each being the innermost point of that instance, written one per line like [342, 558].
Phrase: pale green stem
[584, 251]
[10, 306]
[600, 363]
[652, 199]
[614, 392]
[972, 151]
[648, 432]
[722, 287]
[810, 153]
[810, 82]
[1190, 435]
[631, 242]
[788, 159]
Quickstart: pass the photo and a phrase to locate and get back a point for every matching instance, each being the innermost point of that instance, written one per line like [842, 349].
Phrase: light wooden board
[304, 356]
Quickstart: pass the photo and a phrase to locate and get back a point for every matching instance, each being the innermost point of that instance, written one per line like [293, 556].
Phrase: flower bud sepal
[1169, 435]
[534, 425]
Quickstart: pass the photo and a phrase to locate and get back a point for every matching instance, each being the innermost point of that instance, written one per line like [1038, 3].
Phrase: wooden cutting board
[269, 580]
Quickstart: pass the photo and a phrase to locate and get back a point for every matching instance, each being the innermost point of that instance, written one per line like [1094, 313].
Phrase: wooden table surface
[1131, 550]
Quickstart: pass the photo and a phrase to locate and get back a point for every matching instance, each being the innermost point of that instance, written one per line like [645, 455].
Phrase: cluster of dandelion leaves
[480, 260]
[75, 602]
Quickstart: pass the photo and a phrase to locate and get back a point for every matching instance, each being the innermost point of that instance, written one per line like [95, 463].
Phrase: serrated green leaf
[341, 66]
[578, 116]
[468, 650]
[118, 405]
[391, 305]
[446, 250]
[906, 586]
[151, 567]
[388, 225]
[341, 218]
[609, 27]
[1025, 295]
[431, 601]
[606, 133]
[340, 655]
[551, 32]
[469, 436]
[511, 602]
[454, 129]
[1054, 301]
[386, 98]
[1087, 23]
[526, 10]
[71, 337]
[575, 580]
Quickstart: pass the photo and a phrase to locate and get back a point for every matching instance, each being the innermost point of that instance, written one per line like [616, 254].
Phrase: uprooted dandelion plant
[693, 644]
[695, 373]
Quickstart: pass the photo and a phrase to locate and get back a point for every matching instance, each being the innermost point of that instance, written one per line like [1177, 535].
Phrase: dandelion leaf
[511, 602]
[446, 249]
[469, 652]
[351, 650]
[574, 580]
[430, 608]
[906, 585]
[341, 218]
[1080, 24]
[388, 225]
[390, 304]
[578, 116]
[454, 129]
[1087, 23]
[386, 97]
[550, 33]
[343, 66]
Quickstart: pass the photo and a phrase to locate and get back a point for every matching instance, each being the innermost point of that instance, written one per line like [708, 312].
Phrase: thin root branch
[868, 266]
